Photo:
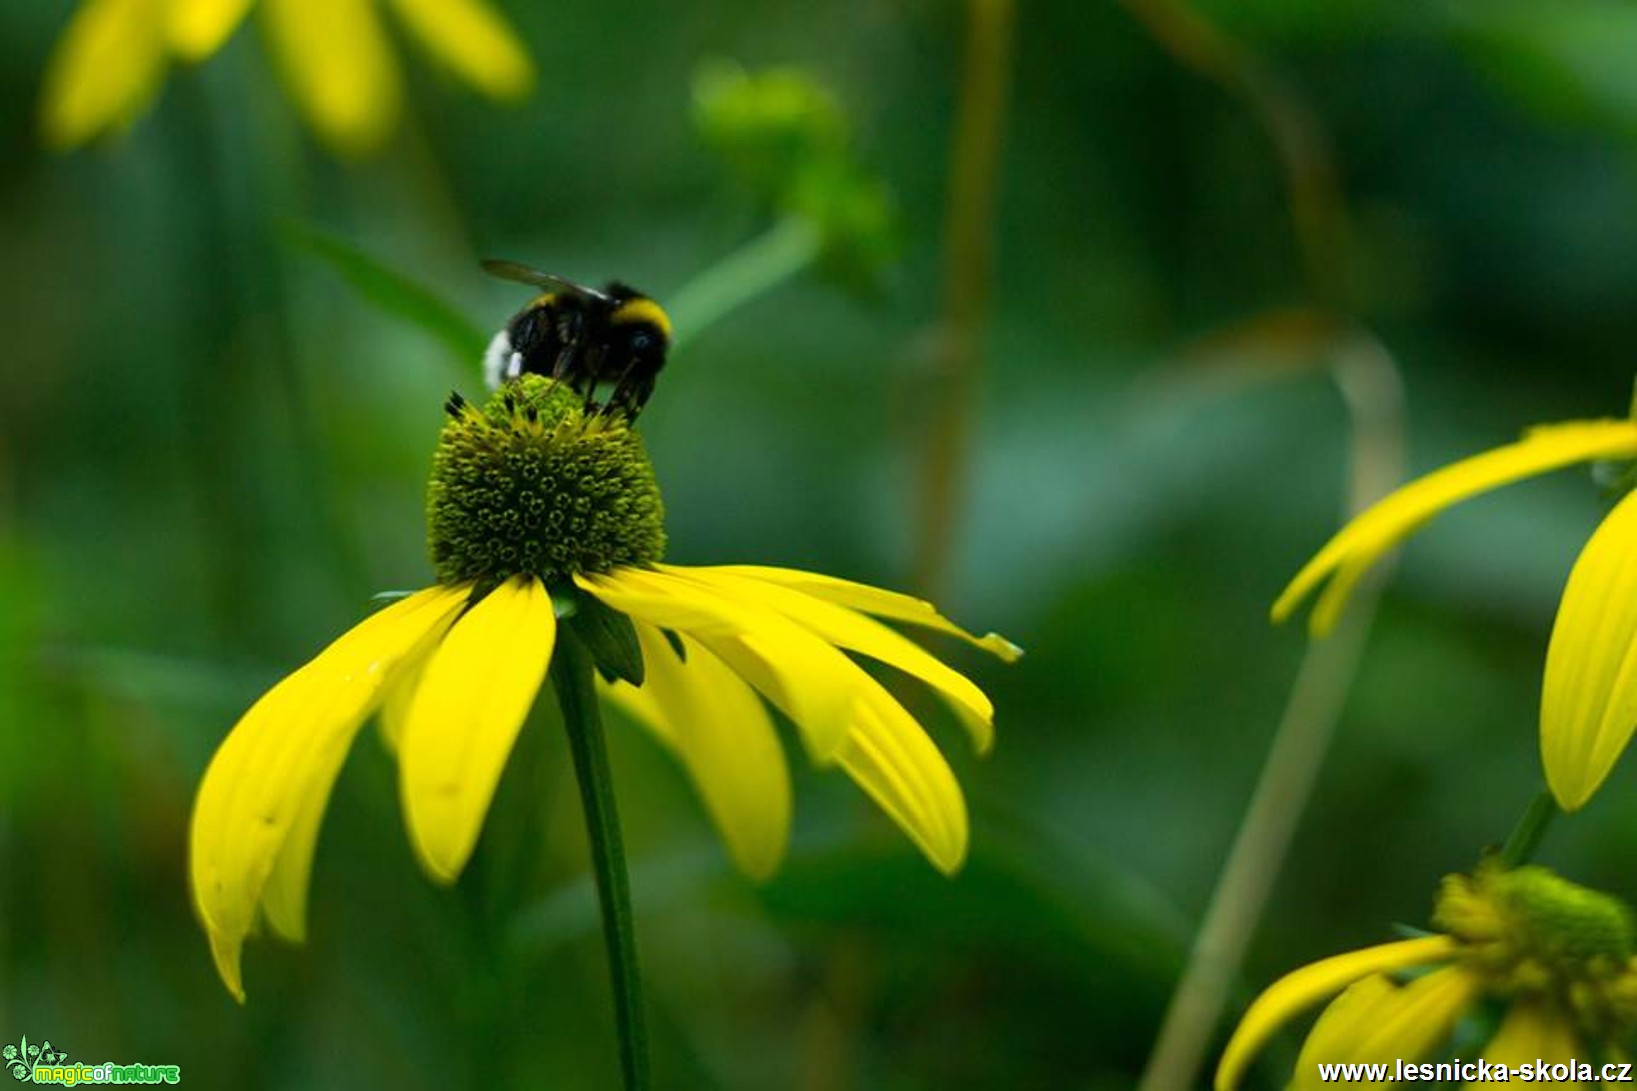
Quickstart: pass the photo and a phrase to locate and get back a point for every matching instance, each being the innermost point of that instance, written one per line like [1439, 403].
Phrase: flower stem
[1299, 141]
[571, 677]
[759, 266]
[968, 260]
[1520, 847]
[1368, 380]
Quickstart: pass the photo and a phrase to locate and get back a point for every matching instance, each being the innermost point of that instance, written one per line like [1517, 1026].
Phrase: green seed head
[1530, 933]
[532, 484]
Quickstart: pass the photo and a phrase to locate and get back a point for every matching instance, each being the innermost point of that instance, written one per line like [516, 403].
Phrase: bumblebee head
[638, 324]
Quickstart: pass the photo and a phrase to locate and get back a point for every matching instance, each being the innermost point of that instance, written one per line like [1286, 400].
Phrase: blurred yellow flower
[334, 55]
[1556, 957]
[534, 492]
[1589, 696]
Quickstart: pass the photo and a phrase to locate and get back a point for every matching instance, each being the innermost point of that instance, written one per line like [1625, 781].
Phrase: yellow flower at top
[1554, 958]
[1589, 694]
[334, 55]
[544, 518]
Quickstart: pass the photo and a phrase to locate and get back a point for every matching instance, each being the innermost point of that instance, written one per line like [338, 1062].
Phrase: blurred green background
[212, 452]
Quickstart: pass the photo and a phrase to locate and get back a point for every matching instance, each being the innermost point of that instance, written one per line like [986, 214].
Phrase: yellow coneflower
[543, 515]
[1554, 958]
[334, 55]
[1589, 696]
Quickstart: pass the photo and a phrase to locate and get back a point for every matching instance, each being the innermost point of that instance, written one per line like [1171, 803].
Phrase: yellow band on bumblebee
[642, 310]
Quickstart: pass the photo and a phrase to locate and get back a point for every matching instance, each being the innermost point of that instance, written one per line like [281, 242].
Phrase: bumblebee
[615, 338]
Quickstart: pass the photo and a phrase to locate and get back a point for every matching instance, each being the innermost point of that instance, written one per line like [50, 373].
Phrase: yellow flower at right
[1553, 959]
[1589, 695]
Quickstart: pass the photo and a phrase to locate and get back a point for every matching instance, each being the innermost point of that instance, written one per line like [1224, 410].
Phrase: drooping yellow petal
[105, 68]
[1531, 1031]
[335, 56]
[871, 600]
[1588, 704]
[400, 691]
[803, 676]
[1350, 1012]
[472, 700]
[197, 28]
[1301, 989]
[721, 732]
[846, 628]
[881, 746]
[285, 898]
[1362, 542]
[474, 41]
[267, 783]
[889, 756]
[1378, 1021]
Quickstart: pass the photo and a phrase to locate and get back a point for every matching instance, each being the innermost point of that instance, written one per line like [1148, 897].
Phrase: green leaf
[1570, 60]
[393, 292]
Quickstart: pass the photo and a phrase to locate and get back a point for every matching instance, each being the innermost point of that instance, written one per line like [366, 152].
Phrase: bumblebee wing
[527, 274]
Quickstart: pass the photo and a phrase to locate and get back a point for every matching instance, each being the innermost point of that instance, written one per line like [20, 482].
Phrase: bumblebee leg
[633, 393]
[564, 363]
[625, 391]
[645, 390]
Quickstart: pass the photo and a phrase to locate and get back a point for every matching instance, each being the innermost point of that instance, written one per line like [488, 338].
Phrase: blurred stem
[759, 266]
[1520, 847]
[968, 264]
[1317, 209]
[571, 677]
[256, 307]
[1369, 383]
[1370, 386]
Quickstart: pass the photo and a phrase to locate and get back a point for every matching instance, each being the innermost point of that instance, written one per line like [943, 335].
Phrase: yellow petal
[871, 600]
[285, 898]
[804, 677]
[1362, 542]
[197, 28]
[1588, 704]
[1378, 1021]
[268, 781]
[889, 756]
[1532, 1031]
[880, 746]
[1348, 1013]
[465, 716]
[721, 732]
[846, 628]
[105, 69]
[336, 59]
[474, 41]
[1301, 989]
[400, 690]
